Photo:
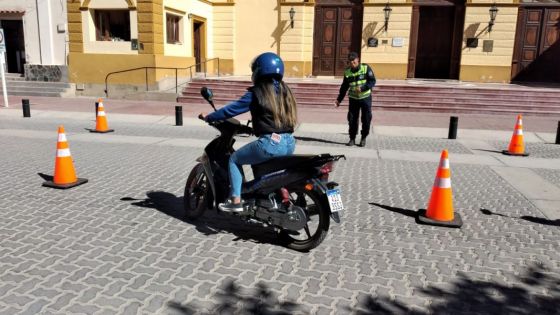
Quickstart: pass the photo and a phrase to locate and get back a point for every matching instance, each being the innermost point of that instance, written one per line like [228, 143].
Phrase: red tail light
[325, 170]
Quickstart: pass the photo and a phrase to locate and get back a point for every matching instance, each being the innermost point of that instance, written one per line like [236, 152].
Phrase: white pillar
[46, 32]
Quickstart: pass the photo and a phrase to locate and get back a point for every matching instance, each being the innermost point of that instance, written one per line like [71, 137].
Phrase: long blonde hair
[281, 103]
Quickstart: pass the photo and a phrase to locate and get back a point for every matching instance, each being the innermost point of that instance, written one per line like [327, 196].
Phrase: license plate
[335, 201]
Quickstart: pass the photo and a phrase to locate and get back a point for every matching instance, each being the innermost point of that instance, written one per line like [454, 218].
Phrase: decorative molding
[175, 11]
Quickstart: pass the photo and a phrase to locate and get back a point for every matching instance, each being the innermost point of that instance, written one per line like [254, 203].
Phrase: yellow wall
[256, 32]
[388, 62]
[494, 66]
[296, 44]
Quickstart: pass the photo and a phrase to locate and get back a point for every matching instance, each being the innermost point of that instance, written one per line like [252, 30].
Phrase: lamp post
[292, 14]
[493, 12]
[387, 12]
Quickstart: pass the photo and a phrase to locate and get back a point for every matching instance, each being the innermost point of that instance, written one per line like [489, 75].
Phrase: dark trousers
[363, 105]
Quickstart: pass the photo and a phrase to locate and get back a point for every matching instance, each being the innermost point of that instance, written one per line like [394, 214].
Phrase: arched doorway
[337, 31]
[435, 39]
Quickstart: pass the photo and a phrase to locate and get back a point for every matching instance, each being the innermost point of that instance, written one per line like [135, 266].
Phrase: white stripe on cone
[442, 183]
[444, 164]
[101, 113]
[63, 152]
[62, 137]
[518, 132]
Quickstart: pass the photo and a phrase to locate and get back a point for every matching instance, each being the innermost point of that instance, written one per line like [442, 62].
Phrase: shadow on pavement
[231, 299]
[318, 140]
[462, 296]
[210, 223]
[524, 217]
[407, 212]
[493, 151]
[467, 296]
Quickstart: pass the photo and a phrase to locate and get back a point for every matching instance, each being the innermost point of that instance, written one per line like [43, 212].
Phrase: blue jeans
[258, 151]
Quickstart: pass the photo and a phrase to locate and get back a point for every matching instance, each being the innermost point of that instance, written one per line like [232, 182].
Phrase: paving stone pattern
[117, 245]
[537, 150]
[552, 176]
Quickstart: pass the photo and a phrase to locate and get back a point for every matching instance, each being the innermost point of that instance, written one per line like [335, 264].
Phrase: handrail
[165, 68]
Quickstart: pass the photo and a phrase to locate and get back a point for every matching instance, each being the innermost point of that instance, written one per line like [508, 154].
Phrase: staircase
[16, 85]
[406, 95]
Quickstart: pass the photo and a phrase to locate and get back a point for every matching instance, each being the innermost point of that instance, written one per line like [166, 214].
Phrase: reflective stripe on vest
[356, 79]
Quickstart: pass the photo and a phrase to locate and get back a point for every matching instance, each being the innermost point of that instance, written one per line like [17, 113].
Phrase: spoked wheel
[196, 193]
[317, 225]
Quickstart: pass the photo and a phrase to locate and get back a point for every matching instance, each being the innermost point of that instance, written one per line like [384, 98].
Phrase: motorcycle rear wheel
[196, 193]
[318, 220]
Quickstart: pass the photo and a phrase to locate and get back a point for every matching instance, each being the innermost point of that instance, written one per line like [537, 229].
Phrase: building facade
[36, 38]
[469, 40]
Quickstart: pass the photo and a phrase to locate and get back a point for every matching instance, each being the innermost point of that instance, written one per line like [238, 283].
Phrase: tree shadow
[212, 222]
[468, 296]
[485, 150]
[318, 140]
[231, 299]
[538, 220]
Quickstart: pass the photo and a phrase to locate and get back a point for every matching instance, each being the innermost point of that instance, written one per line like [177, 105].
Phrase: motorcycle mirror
[208, 95]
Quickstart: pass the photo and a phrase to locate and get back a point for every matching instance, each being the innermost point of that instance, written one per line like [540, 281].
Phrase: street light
[387, 12]
[493, 12]
[292, 14]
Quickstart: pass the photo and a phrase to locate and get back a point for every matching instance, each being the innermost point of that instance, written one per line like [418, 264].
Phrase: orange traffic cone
[64, 174]
[516, 145]
[440, 207]
[101, 120]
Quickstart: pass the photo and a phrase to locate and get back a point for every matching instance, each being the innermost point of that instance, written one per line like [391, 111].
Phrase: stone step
[33, 93]
[383, 95]
[404, 96]
[219, 88]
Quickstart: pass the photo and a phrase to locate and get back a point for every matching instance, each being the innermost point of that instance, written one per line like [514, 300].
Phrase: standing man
[359, 78]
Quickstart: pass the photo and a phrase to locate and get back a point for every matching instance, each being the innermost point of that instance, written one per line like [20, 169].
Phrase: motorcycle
[291, 194]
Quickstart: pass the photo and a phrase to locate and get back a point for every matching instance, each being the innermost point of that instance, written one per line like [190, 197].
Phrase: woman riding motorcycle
[273, 114]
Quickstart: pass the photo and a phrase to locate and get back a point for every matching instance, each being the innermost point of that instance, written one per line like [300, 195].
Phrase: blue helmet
[267, 65]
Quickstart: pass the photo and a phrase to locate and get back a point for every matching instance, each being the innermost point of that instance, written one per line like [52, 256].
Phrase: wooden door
[337, 32]
[436, 35]
[537, 45]
[197, 49]
[435, 40]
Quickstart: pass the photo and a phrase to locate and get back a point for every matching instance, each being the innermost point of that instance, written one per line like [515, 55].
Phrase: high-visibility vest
[355, 79]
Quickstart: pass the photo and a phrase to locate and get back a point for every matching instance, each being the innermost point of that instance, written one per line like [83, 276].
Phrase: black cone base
[506, 152]
[51, 184]
[104, 131]
[421, 218]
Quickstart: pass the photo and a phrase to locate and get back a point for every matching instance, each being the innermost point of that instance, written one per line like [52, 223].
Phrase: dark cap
[352, 56]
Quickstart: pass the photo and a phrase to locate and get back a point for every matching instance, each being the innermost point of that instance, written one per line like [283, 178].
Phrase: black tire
[318, 216]
[197, 192]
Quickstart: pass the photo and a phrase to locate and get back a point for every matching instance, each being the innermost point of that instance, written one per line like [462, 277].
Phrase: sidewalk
[306, 115]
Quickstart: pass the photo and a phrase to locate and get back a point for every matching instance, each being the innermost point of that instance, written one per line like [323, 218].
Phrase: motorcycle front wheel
[318, 221]
[196, 193]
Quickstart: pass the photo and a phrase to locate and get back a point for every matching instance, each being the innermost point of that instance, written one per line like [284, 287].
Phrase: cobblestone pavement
[538, 150]
[118, 244]
[552, 176]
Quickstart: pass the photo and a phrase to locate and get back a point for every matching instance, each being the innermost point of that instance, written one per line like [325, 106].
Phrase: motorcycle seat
[280, 163]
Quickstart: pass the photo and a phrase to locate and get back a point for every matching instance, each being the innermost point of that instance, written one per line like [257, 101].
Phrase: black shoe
[362, 142]
[231, 207]
[351, 142]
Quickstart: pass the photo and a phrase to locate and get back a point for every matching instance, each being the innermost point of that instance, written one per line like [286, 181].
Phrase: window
[173, 28]
[112, 25]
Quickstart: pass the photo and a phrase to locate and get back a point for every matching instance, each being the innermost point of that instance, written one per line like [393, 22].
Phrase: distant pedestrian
[359, 80]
